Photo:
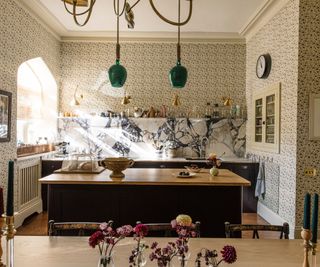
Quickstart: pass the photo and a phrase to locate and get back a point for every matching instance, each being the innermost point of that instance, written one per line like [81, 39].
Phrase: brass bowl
[117, 165]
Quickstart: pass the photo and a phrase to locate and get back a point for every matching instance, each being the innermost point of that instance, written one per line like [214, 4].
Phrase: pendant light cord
[178, 45]
[116, 8]
[117, 22]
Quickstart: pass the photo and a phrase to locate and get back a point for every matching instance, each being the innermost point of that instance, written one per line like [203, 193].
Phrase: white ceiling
[209, 16]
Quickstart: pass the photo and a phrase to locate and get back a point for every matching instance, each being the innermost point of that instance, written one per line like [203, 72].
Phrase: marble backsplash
[145, 137]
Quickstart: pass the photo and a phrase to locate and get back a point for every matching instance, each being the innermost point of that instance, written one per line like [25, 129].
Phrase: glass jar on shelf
[225, 112]
[195, 112]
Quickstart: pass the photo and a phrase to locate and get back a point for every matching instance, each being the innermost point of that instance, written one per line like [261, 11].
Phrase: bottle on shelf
[233, 111]
[244, 112]
[238, 111]
[216, 111]
[208, 112]
[195, 112]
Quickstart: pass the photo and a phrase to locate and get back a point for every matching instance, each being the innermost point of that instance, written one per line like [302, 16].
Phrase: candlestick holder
[2, 223]
[10, 232]
[306, 236]
[314, 254]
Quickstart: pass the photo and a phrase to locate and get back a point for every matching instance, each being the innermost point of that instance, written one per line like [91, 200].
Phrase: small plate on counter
[185, 174]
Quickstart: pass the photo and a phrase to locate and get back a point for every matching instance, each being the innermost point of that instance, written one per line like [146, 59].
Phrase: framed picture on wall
[314, 116]
[5, 115]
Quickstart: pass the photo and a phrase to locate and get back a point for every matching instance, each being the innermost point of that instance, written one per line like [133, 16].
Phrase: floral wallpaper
[308, 151]
[280, 38]
[272, 176]
[215, 70]
[22, 38]
[291, 36]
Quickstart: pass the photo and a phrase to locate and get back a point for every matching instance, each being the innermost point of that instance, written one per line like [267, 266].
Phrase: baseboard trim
[22, 214]
[273, 218]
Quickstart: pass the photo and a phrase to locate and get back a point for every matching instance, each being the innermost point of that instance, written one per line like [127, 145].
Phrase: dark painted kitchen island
[147, 195]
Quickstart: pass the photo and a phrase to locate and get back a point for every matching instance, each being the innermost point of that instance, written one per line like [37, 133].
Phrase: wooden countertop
[46, 251]
[150, 176]
[167, 160]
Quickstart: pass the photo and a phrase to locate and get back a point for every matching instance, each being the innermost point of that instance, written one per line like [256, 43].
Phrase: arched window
[36, 103]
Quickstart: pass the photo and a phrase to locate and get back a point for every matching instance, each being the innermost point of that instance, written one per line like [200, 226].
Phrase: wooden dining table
[44, 251]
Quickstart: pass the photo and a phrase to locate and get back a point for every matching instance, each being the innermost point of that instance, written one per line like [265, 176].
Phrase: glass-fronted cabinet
[266, 106]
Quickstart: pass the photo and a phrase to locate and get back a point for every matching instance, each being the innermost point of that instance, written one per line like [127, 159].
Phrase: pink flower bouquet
[137, 258]
[106, 238]
[229, 255]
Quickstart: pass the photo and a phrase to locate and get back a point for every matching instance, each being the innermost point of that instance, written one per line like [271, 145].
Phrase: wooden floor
[36, 224]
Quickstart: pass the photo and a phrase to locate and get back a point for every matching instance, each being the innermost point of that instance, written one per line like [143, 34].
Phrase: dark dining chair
[230, 229]
[166, 230]
[72, 228]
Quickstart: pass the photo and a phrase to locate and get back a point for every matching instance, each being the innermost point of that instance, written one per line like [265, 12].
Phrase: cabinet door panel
[249, 172]
[270, 119]
[258, 120]
[265, 133]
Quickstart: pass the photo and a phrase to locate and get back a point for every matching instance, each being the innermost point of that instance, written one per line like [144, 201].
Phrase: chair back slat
[65, 228]
[166, 230]
[232, 228]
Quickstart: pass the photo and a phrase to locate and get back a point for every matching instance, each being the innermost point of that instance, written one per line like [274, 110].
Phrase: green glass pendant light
[178, 75]
[117, 72]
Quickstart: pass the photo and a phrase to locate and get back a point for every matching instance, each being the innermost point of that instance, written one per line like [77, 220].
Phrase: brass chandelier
[127, 8]
[117, 72]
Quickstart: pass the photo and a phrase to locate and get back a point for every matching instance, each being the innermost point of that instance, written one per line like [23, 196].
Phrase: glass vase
[213, 262]
[214, 171]
[106, 261]
[140, 259]
[168, 264]
[183, 260]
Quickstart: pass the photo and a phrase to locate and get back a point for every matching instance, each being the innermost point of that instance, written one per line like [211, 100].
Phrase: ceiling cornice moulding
[154, 37]
[263, 15]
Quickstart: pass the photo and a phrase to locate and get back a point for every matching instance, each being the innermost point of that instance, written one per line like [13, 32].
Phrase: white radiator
[28, 189]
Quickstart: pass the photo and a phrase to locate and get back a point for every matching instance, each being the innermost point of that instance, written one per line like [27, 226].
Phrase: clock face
[261, 66]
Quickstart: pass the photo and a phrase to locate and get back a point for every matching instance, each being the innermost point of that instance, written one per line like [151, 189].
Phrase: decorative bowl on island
[193, 168]
[117, 165]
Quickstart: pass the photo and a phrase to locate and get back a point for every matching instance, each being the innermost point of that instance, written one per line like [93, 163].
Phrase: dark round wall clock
[263, 66]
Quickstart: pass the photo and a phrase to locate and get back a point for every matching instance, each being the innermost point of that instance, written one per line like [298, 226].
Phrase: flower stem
[121, 237]
[100, 248]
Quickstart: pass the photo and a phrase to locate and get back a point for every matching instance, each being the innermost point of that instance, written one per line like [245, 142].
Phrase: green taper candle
[314, 227]
[306, 212]
[9, 210]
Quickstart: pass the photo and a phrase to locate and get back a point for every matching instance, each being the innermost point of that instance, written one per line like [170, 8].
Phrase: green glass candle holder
[306, 212]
